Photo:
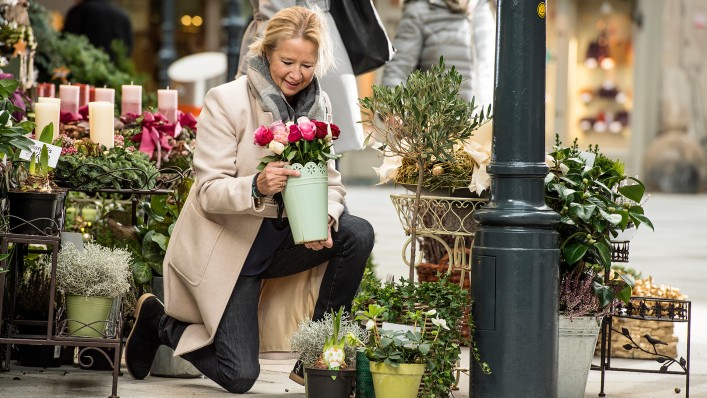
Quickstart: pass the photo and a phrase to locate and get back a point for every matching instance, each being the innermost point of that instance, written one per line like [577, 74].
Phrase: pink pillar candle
[101, 127]
[105, 95]
[132, 100]
[46, 90]
[167, 104]
[69, 96]
[84, 93]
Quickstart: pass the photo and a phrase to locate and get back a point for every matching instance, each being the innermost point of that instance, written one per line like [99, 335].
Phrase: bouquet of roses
[301, 142]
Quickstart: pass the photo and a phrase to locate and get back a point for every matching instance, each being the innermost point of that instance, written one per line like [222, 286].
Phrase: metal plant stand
[56, 334]
[645, 309]
[440, 217]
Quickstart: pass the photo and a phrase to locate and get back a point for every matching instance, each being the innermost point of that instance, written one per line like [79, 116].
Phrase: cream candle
[46, 90]
[101, 128]
[131, 100]
[167, 104]
[69, 96]
[56, 101]
[45, 113]
[105, 95]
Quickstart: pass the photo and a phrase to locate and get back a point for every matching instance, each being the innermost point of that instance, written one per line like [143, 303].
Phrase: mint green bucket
[307, 203]
[87, 316]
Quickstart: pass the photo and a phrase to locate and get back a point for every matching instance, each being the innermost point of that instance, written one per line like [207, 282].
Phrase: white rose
[276, 147]
[370, 324]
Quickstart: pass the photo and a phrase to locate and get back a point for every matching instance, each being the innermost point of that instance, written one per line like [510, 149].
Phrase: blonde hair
[295, 23]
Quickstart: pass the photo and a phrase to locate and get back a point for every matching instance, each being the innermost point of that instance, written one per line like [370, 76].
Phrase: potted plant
[595, 200]
[307, 145]
[91, 280]
[326, 349]
[398, 355]
[422, 121]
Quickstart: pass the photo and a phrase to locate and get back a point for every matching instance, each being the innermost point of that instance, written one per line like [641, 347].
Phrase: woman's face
[292, 65]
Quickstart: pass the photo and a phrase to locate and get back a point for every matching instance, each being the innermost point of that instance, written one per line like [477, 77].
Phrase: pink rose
[262, 136]
[280, 132]
[307, 128]
[321, 128]
[295, 134]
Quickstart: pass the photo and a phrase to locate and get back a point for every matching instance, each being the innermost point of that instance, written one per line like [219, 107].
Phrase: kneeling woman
[231, 258]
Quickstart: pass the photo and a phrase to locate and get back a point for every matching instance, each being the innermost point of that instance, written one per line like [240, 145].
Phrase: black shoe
[143, 342]
[297, 374]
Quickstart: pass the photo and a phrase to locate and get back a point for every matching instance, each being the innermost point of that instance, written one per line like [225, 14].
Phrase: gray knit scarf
[307, 102]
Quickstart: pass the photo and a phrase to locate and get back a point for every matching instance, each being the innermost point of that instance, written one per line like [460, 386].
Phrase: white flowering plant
[328, 343]
[395, 347]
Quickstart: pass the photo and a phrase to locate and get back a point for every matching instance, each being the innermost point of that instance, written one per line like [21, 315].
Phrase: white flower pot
[575, 352]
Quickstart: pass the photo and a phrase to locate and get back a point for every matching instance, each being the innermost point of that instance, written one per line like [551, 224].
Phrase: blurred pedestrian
[339, 83]
[102, 22]
[433, 28]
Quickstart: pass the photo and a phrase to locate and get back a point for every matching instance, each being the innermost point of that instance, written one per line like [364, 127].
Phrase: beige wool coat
[220, 221]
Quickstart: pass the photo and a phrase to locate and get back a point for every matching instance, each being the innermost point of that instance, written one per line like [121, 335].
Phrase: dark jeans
[232, 360]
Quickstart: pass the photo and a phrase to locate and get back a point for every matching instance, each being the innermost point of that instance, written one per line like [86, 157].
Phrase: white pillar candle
[131, 100]
[105, 95]
[100, 117]
[69, 96]
[167, 104]
[45, 113]
[56, 101]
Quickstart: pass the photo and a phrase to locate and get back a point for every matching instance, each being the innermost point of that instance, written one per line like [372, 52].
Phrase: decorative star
[61, 73]
[20, 47]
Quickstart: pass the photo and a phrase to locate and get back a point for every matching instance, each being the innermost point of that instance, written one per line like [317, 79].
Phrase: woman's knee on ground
[238, 381]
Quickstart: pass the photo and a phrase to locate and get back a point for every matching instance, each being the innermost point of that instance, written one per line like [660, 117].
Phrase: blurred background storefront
[627, 75]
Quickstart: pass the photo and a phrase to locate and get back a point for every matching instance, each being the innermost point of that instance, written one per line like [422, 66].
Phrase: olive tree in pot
[595, 200]
[327, 349]
[422, 120]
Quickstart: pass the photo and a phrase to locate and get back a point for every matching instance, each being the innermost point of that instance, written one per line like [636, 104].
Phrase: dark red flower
[295, 135]
[335, 131]
[321, 129]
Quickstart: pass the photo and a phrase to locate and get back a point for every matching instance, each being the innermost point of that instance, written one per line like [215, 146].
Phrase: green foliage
[424, 117]
[154, 231]
[404, 298]
[116, 168]
[86, 63]
[12, 134]
[39, 177]
[595, 200]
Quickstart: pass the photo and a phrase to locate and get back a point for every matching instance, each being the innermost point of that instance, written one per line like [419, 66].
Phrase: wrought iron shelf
[647, 309]
[438, 215]
[56, 324]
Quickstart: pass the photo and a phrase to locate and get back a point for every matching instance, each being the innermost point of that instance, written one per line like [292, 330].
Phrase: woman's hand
[328, 243]
[273, 178]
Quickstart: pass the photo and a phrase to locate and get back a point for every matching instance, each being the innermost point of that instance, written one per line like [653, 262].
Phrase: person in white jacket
[462, 32]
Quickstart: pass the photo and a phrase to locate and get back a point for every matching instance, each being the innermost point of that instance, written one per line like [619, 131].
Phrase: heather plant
[95, 271]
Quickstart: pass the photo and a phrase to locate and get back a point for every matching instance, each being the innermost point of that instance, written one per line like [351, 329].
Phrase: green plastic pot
[307, 202]
[87, 316]
[396, 382]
